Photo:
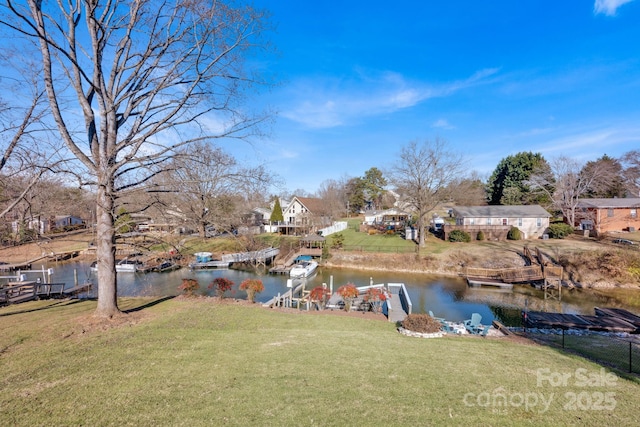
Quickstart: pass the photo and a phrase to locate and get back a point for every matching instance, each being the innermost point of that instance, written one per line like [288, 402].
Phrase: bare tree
[146, 77]
[421, 176]
[566, 182]
[205, 182]
[469, 191]
[631, 173]
[334, 197]
[25, 150]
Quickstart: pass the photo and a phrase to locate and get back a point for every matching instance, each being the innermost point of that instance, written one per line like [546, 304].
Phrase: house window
[472, 221]
[488, 221]
[539, 222]
[609, 213]
[634, 213]
[504, 221]
[519, 222]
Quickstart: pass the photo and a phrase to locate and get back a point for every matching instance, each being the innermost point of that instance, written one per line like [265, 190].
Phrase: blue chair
[439, 319]
[485, 331]
[472, 325]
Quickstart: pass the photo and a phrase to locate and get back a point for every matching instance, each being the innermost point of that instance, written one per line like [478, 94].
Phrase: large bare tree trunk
[106, 253]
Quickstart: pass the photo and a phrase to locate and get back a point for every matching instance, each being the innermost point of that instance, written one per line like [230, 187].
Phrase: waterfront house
[605, 215]
[495, 221]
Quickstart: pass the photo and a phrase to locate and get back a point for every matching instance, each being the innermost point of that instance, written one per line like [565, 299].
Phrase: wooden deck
[606, 323]
[18, 292]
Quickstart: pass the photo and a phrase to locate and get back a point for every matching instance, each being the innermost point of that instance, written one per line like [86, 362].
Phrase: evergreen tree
[507, 184]
[276, 214]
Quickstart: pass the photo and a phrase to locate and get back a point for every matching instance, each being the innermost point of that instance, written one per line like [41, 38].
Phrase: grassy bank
[199, 362]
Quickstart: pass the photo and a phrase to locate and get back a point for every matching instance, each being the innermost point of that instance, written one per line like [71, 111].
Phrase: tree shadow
[54, 305]
[149, 304]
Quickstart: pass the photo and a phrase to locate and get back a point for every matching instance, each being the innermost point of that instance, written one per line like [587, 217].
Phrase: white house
[393, 216]
[495, 221]
[304, 215]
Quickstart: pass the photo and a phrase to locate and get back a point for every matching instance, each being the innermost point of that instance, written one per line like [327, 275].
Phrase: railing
[288, 298]
[251, 256]
[404, 299]
[508, 275]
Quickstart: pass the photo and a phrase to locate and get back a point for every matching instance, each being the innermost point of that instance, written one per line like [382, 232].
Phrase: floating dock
[605, 320]
[495, 283]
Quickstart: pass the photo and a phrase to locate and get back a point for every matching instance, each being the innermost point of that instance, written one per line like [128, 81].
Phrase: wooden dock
[617, 320]
[496, 283]
[399, 306]
[261, 257]
[18, 292]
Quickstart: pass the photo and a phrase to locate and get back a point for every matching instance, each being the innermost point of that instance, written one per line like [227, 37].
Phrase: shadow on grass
[613, 354]
[58, 303]
[149, 304]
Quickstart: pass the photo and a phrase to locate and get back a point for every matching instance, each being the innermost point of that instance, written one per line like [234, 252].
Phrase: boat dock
[399, 305]
[23, 291]
[605, 320]
[478, 281]
[284, 264]
[539, 269]
[396, 307]
[204, 260]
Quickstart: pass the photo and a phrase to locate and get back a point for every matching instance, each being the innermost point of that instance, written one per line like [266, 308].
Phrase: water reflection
[450, 298]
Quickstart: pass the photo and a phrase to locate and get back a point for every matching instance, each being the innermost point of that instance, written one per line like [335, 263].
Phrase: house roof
[609, 203]
[511, 211]
[263, 211]
[313, 238]
[313, 205]
[391, 211]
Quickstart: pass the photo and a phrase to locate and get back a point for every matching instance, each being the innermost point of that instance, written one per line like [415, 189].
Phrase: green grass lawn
[198, 362]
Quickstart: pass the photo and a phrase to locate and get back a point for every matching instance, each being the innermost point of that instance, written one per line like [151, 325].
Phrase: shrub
[514, 234]
[459, 236]
[348, 292]
[221, 285]
[422, 323]
[375, 297]
[337, 241]
[480, 235]
[252, 287]
[189, 286]
[325, 252]
[320, 295]
[560, 230]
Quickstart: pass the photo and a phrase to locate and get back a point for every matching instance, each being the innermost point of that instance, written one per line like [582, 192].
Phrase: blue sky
[360, 79]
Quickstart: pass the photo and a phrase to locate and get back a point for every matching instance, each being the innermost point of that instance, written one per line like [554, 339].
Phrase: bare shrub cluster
[422, 323]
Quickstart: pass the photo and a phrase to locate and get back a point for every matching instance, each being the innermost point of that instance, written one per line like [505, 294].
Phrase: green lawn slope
[200, 362]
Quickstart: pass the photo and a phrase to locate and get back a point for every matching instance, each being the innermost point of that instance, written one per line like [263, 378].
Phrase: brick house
[604, 215]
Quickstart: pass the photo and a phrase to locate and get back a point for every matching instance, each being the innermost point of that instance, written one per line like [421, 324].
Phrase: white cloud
[608, 7]
[590, 144]
[329, 102]
[442, 124]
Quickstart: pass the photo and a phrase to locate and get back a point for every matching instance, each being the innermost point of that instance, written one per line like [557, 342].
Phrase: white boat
[303, 269]
[122, 266]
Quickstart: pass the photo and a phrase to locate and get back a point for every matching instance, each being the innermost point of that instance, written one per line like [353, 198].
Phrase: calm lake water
[450, 298]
